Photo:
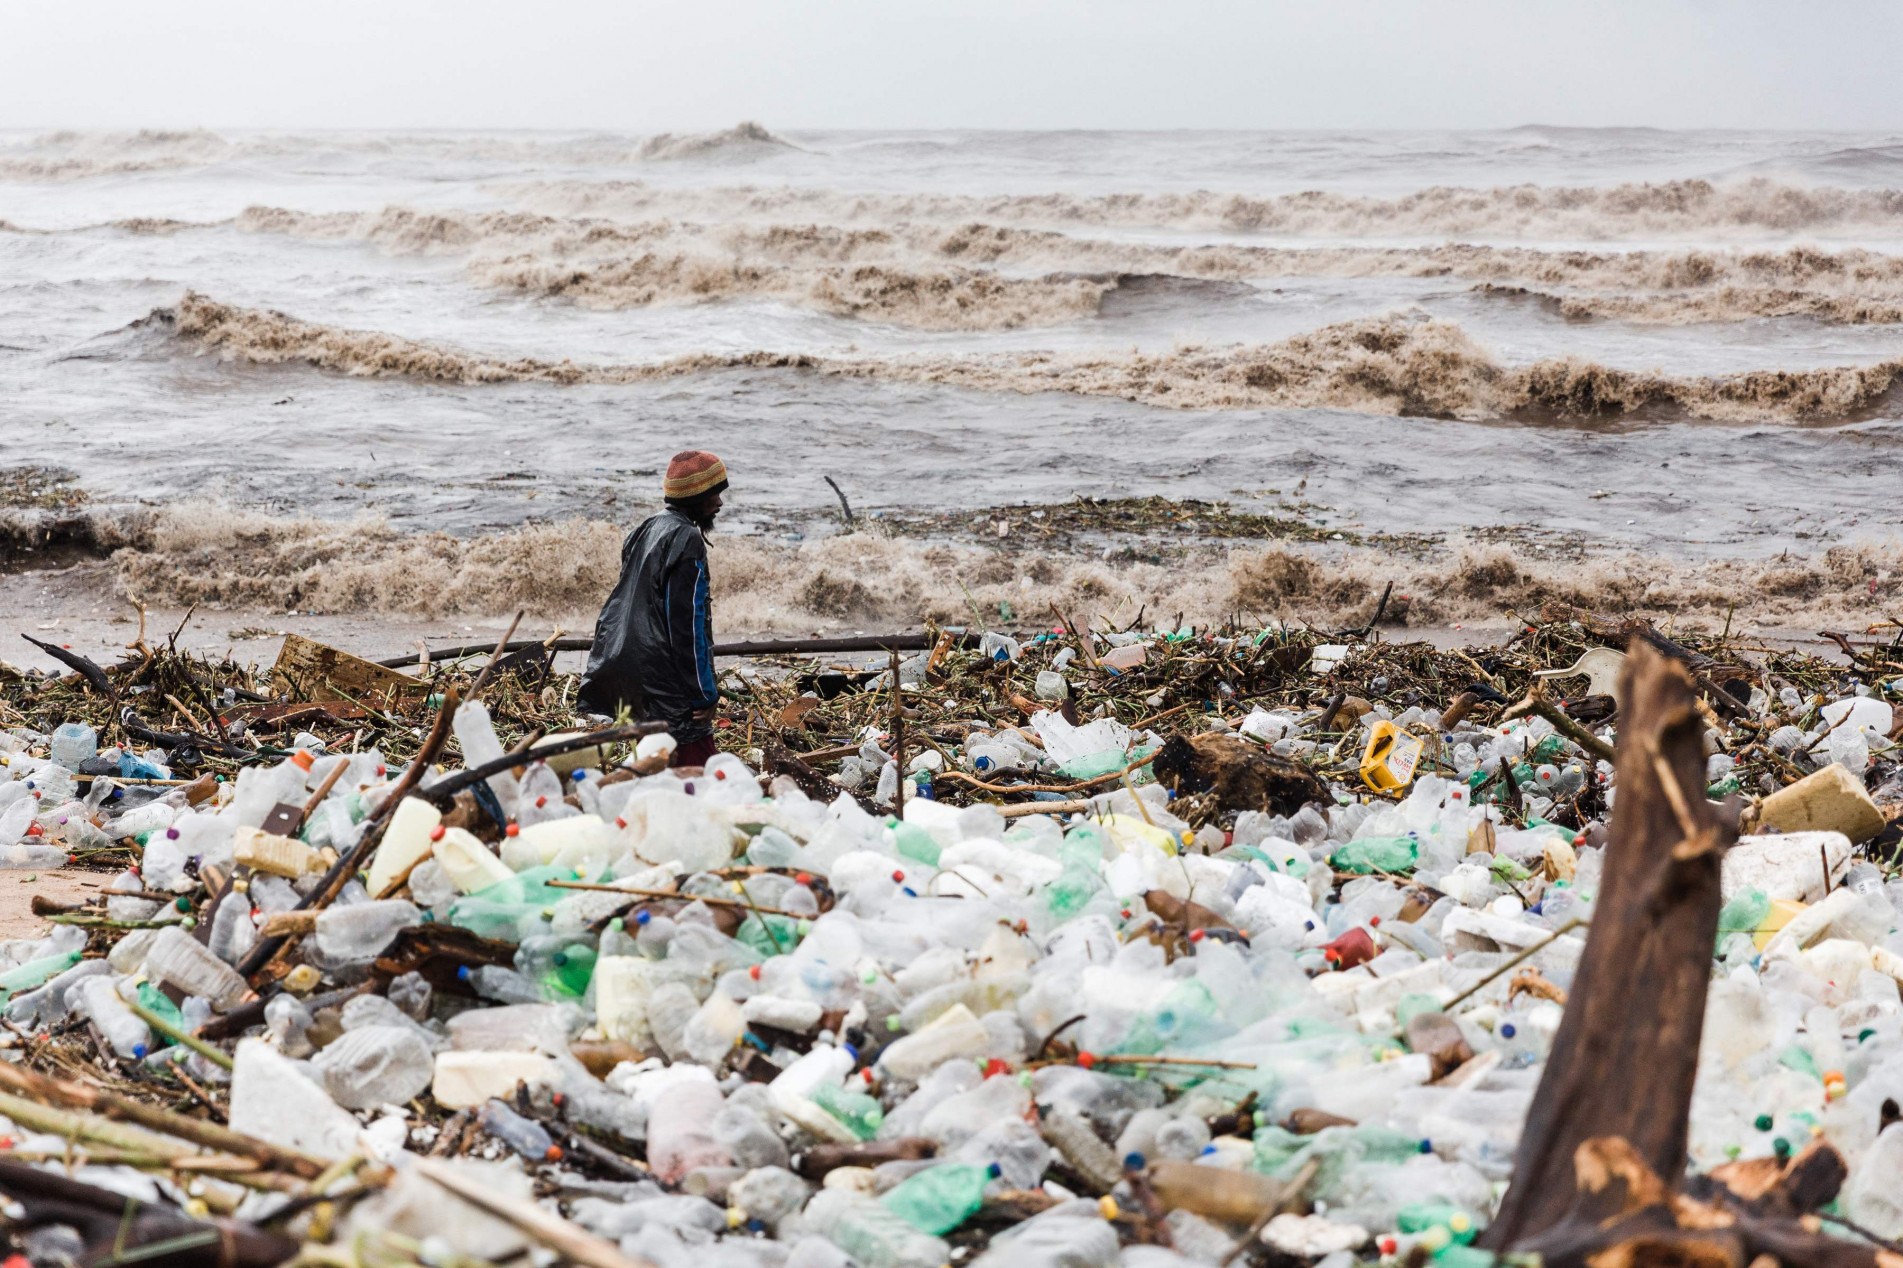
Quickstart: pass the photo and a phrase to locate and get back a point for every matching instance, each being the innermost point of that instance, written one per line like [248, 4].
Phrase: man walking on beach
[654, 643]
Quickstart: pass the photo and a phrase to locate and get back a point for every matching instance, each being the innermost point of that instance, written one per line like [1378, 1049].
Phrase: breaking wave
[746, 140]
[75, 155]
[924, 274]
[1728, 303]
[60, 156]
[947, 299]
[1754, 206]
[1400, 364]
[215, 556]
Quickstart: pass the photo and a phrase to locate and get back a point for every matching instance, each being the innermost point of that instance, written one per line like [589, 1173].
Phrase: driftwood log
[1599, 1177]
[1242, 776]
[118, 1229]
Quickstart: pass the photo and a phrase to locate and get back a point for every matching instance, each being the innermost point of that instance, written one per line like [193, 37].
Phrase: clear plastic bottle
[97, 1000]
[49, 1003]
[376, 1065]
[680, 1123]
[957, 1033]
[748, 1138]
[178, 959]
[476, 735]
[505, 986]
[540, 798]
[670, 1007]
[16, 819]
[73, 743]
[524, 1135]
[358, 932]
[32, 856]
[769, 1194]
[1074, 1138]
[153, 816]
[233, 932]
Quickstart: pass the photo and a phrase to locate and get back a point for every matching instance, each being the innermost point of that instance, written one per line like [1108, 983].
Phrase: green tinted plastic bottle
[914, 842]
[35, 973]
[939, 1200]
[857, 1113]
[1376, 854]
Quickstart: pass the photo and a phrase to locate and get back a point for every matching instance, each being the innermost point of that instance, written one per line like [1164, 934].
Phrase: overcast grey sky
[956, 63]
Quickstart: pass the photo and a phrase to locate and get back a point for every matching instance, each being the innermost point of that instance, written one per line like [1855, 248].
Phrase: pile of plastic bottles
[1026, 995]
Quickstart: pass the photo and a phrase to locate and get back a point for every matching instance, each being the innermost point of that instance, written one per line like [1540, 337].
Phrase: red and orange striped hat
[692, 473]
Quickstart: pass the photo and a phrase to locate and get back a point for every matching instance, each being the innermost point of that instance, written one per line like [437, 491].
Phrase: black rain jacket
[654, 643]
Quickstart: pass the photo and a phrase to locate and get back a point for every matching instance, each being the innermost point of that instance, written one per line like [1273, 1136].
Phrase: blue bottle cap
[1134, 1162]
[642, 917]
[1507, 1030]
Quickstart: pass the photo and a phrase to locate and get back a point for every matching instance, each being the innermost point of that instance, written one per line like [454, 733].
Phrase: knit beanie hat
[692, 473]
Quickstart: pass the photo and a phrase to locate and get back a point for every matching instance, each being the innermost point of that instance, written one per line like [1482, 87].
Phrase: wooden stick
[712, 900]
[83, 1096]
[552, 1231]
[1131, 1058]
[1536, 702]
[482, 679]
[323, 791]
[176, 1035]
[1024, 809]
[898, 738]
[1109, 777]
[268, 950]
[444, 790]
[1517, 960]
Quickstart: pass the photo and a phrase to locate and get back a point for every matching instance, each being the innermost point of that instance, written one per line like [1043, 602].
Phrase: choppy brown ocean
[438, 372]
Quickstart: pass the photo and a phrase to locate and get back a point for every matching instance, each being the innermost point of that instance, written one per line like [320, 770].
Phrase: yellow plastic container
[1388, 763]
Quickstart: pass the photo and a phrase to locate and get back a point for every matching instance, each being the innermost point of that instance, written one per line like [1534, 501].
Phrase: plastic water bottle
[957, 1033]
[16, 819]
[746, 1136]
[178, 959]
[73, 743]
[526, 1136]
[769, 1194]
[376, 1065]
[476, 735]
[97, 1000]
[938, 1200]
[36, 972]
[873, 1234]
[233, 932]
[32, 856]
[360, 931]
[561, 965]
[680, 1123]
[990, 758]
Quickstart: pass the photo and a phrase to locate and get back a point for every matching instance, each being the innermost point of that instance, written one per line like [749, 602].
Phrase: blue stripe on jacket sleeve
[704, 633]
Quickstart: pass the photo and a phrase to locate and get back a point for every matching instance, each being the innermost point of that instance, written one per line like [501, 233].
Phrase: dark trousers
[695, 752]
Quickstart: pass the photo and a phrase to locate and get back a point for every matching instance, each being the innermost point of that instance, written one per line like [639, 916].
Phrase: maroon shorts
[695, 752]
